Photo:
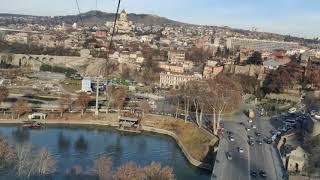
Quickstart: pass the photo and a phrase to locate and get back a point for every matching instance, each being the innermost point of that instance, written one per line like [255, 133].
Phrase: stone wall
[35, 61]
[249, 70]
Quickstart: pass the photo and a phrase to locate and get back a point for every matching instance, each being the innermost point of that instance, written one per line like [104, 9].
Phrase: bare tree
[155, 172]
[20, 107]
[7, 154]
[129, 171]
[145, 106]
[103, 168]
[28, 164]
[223, 95]
[83, 101]
[109, 96]
[45, 164]
[119, 95]
[65, 102]
[4, 93]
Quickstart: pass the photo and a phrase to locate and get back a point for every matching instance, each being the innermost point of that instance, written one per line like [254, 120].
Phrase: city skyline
[294, 17]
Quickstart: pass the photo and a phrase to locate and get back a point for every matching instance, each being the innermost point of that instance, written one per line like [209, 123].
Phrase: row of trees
[289, 76]
[115, 96]
[58, 69]
[103, 169]
[21, 161]
[214, 96]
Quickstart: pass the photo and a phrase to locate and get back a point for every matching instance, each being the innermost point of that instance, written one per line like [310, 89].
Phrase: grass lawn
[198, 143]
[71, 85]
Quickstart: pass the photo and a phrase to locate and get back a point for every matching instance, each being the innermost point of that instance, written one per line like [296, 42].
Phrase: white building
[86, 85]
[169, 80]
[260, 45]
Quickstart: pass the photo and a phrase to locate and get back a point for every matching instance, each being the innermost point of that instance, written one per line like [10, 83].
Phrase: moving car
[263, 174]
[253, 173]
[257, 134]
[259, 142]
[228, 154]
[231, 138]
[240, 149]
[251, 142]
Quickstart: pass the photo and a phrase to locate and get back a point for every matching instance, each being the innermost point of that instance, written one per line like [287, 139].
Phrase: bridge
[17, 30]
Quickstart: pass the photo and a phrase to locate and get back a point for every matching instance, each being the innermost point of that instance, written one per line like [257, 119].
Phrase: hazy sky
[296, 17]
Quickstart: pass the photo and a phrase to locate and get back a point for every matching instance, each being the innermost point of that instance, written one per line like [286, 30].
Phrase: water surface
[81, 146]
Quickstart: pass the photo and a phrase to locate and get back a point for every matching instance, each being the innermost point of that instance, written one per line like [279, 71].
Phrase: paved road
[257, 157]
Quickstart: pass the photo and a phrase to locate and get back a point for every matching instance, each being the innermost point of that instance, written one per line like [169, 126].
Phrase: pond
[79, 146]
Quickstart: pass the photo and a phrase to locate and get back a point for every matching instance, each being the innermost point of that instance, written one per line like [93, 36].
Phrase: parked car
[251, 142]
[250, 137]
[259, 142]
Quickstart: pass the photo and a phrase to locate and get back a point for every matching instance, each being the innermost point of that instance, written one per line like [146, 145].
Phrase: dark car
[267, 140]
[251, 142]
[253, 173]
[263, 174]
[259, 142]
[258, 134]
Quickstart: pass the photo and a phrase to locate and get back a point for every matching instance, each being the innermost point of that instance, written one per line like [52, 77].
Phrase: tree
[255, 58]
[7, 154]
[145, 106]
[129, 171]
[120, 93]
[65, 102]
[20, 107]
[103, 168]
[83, 101]
[4, 93]
[223, 95]
[155, 172]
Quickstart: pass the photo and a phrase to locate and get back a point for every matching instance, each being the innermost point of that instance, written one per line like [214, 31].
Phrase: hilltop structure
[122, 25]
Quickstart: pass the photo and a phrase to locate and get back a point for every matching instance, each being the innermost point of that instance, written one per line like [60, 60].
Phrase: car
[250, 137]
[251, 142]
[253, 173]
[267, 140]
[253, 126]
[263, 174]
[228, 155]
[230, 133]
[241, 123]
[257, 134]
[231, 138]
[240, 150]
[259, 142]
[247, 129]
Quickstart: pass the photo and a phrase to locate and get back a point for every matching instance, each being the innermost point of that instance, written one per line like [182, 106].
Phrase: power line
[114, 24]
[79, 12]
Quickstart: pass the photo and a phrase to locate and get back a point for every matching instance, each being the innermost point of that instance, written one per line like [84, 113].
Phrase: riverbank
[196, 144]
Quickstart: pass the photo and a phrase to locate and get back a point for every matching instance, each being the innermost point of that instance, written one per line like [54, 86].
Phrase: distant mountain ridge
[96, 18]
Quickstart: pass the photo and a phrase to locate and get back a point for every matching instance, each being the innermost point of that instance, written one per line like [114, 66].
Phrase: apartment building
[260, 45]
[170, 80]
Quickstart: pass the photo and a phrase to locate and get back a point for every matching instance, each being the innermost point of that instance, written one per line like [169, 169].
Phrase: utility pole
[97, 97]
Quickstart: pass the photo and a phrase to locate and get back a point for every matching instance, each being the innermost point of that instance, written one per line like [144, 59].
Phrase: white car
[292, 110]
[254, 126]
[240, 150]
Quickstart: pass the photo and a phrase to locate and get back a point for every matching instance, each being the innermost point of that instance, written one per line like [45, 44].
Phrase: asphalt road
[257, 157]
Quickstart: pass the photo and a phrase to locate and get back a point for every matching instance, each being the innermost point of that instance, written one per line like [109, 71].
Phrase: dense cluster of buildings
[172, 46]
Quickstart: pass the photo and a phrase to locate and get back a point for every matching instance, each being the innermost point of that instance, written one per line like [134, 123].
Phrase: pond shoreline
[103, 123]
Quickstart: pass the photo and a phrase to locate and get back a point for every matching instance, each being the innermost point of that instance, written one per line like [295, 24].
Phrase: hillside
[89, 18]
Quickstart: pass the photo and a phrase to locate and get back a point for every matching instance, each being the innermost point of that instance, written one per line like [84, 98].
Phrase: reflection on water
[81, 145]
[76, 149]
[21, 135]
[63, 142]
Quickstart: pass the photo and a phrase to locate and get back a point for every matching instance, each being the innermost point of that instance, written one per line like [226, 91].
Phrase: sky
[295, 17]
